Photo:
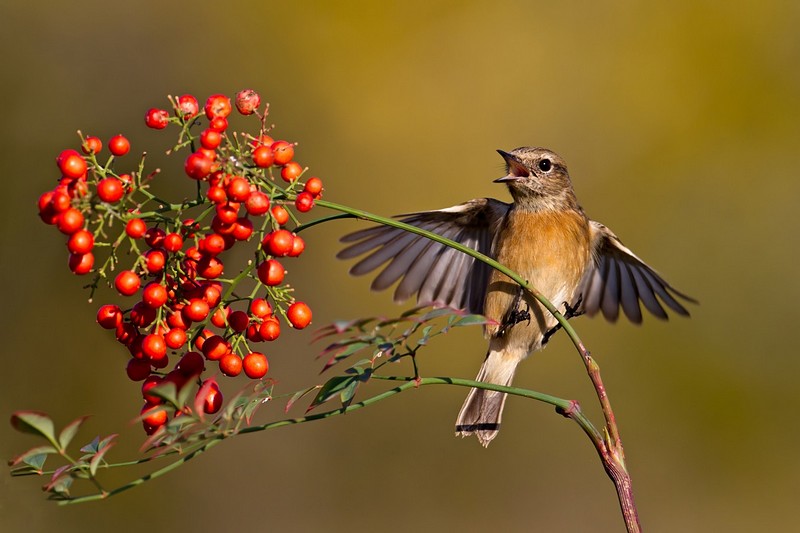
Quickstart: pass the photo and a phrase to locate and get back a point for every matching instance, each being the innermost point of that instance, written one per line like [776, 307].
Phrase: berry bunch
[186, 313]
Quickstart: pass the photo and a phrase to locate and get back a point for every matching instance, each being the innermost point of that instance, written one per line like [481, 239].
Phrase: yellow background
[679, 122]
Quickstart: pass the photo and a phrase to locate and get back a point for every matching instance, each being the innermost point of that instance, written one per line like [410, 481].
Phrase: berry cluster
[186, 313]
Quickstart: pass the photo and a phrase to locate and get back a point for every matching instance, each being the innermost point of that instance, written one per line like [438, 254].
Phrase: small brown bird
[546, 238]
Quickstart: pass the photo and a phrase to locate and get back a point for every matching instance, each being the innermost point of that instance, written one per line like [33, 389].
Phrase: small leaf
[33, 457]
[167, 391]
[98, 457]
[349, 393]
[93, 446]
[297, 395]
[471, 320]
[331, 388]
[436, 313]
[34, 422]
[69, 431]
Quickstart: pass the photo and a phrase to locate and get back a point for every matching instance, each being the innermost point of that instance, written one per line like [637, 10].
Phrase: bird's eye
[545, 165]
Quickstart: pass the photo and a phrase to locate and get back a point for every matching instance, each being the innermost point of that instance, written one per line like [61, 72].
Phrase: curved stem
[609, 449]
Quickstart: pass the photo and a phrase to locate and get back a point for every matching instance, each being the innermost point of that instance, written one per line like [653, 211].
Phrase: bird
[543, 235]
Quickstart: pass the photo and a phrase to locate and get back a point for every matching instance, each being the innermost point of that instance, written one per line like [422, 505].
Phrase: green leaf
[93, 446]
[349, 393]
[34, 457]
[331, 388]
[98, 457]
[35, 422]
[471, 320]
[167, 391]
[297, 395]
[69, 431]
[352, 347]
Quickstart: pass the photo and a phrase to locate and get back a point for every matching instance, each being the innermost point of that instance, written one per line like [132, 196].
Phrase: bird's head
[537, 178]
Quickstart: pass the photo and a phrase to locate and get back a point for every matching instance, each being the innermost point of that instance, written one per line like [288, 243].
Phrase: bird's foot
[571, 311]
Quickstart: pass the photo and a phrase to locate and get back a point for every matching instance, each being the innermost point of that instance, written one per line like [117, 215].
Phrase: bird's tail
[483, 409]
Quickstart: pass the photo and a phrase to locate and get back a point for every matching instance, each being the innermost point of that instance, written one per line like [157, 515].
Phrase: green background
[680, 123]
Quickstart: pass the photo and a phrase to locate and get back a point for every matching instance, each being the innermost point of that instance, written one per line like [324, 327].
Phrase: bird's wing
[617, 278]
[435, 272]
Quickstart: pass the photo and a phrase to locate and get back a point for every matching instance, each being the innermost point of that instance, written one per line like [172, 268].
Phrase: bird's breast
[549, 249]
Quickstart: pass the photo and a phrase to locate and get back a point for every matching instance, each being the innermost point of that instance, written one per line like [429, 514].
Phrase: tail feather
[482, 411]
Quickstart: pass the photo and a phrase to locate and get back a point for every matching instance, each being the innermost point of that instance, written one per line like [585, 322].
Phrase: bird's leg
[571, 311]
[514, 315]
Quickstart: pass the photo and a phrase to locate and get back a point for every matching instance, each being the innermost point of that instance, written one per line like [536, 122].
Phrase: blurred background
[680, 126]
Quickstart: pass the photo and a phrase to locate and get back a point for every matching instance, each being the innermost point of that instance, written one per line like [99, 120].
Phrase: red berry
[238, 189]
[228, 212]
[304, 202]
[214, 348]
[154, 347]
[154, 295]
[175, 338]
[216, 194]
[154, 237]
[230, 365]
[138, 369]
[238, 321]
[219, 317]
[109, 316]
[188, 106]
[197, 166]
[210, 139]
[150, 382]
[127, 283]
[210, 268]
[81, 263]
[313, 186]
[298, 245]
[270, 329]
[155, 261]
[142, 315]
[280, 214]
[119, 145]
[156, 118]
[92, 145]
[299, 315]
[196, 310]
[81, 242]
[257, 203]
[263, 156]
[218, 105]
[260, 308]
[212, 293]
[191, 364]
[70, 221]
[279, 242]
[242, 229]
[291, 171]
[211, 397]
[110, 190]
[135, 228]
[255, 365]
[154, 416]
[126, 333]
[247, 101]
[173, 242]
[71, 164]
[271, 272]
[284, 152]
[219, 124]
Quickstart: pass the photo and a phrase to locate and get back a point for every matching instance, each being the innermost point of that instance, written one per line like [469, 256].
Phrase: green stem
[135, 483]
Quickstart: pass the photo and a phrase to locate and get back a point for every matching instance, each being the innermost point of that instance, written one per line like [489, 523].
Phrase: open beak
[516, 170]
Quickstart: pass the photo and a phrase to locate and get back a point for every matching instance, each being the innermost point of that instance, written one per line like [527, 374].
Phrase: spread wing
[617, 278]
[433, 271]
